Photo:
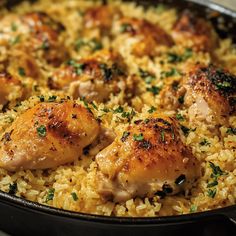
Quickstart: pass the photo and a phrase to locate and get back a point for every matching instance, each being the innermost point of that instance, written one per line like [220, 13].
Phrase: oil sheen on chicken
[47, 135]
[148, 159]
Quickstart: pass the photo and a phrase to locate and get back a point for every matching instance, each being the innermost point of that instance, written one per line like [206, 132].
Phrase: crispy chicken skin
[210, 89]
[10, 89]
[149, 158]
[35, 31]
[95, 77]
[147, 35]
[194, 29]
[206, 90]
[100, 18]
[47, 135]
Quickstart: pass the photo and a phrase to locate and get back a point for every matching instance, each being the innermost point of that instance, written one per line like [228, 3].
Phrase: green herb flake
[231, 131]
[186, 130]
[180, 117]
[126, 27]
[41, 98]
[193, 208]
[138, 137]
[74, 196]
[95, 45]
[120, 109]
[181, 99]
[14, 27]
[170, 73]
[163, 136]
[15, 40]
[125, 136]
[21, 71]
[52, 98]
[12, 188]
[211, 192]
[212, 184]
[50, 194]
[41, 130]
[216, 170]
[152, 109]
[94, 106]
[154, 90]
[205, 142]
[146, 76]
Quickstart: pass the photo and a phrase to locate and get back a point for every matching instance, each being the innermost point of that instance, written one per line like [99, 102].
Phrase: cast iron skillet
[21, 217]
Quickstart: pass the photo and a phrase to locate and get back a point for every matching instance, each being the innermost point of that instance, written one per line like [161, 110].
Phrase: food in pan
[113, 109]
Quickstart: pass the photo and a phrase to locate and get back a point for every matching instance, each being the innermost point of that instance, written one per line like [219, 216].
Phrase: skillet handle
[231, 215]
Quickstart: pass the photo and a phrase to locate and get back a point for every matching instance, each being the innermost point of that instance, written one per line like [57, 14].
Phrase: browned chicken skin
[149, 158]
[206, 91]
[148, 35]
[101, 18]
[47, 135]
[95, 77]
[195, 29]
[35, 32]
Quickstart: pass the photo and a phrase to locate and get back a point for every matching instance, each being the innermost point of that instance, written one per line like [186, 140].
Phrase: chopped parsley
[50, 194]
[216, 170]
[126, 27]
[120, 109]
[41, 130]
[94, 106]
[211, 192]
[93, 44]
[15, 40]
[170, 73]
[138, 137]
[231, 131]
[152, 109]
[146, 76]
[186, 130]
[21, 71]
[193, 208]
[125, 136]
[14, 27]
[12, 188]
[212, 184]
[163, 135]
[78, 67]
[154, 89]
[181, 99]
[41, 98]
[74, 196]
[205, 142]
[52, 98]
[180, 117]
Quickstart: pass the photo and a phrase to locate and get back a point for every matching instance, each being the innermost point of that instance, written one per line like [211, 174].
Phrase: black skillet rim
[228, 212]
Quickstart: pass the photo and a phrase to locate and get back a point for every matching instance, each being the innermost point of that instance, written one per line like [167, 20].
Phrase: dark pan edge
[228, 212]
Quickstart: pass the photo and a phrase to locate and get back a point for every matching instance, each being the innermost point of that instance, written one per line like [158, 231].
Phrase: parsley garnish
[74, 196]
[205, 142]
[146, 76]
[13, 27]
[171, 72]
[12, 188]
[125, 136]
[173, 57]
[52, 98]
[163, 136]
[50, 195]
[152, 109]
[211, 192]
[154, 89]
[41, 98]
[126, 27]
[21, 71]
[120, 109]
[15, 40]
[41, 130]
[181, 99]
[193, 208]
[231, 131]
[138, 137]
[179, 117]
[186, 130]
